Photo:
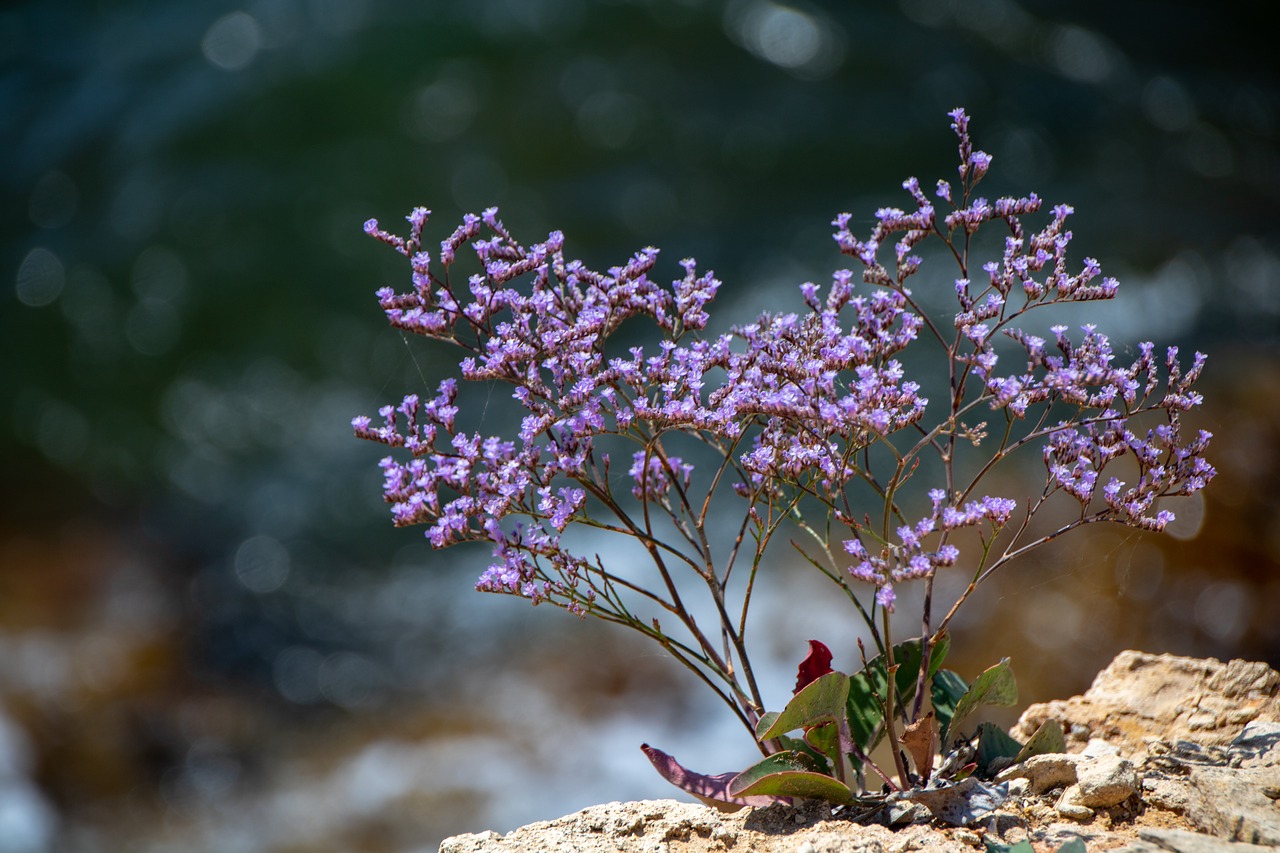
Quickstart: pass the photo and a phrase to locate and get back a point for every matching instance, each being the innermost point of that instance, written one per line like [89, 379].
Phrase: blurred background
[211, 638]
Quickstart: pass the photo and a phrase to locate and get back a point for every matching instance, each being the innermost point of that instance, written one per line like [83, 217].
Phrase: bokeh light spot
[1189, 515]
[1080, 55]
[441, 110]
[349, 680]
[40, 278]
[1054, 621]
[1223, 610]
[296, 672]
[262, 564]
[232, 41]
[799, 41]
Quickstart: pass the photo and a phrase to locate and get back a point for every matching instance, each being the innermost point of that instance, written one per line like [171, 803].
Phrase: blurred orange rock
[1140, 697]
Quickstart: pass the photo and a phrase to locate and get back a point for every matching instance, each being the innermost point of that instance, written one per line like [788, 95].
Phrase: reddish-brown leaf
[814, 666]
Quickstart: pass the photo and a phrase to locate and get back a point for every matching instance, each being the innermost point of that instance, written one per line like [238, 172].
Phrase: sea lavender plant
[799, 423]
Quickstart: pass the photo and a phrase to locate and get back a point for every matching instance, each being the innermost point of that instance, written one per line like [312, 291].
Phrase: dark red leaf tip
[814, 666]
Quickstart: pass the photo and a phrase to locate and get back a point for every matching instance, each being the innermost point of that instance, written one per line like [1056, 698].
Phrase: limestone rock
[1162, 761]
[669, 826]
[1105, 781]
[1180, 841]
[1102, 781]
[1141, 696]
[1230, 793]
[1044, 772]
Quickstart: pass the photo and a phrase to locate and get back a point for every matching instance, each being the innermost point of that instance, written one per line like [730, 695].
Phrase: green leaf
[940, 648]
[1023, 846]
[865, 710]
[809, 786]
[766, 720]
[1075, 845]
[821, 701]
[945, 693]
[779, 762]
[825, 740]
[788, 774]
[994, 743]
[1047, 740]
[795, 744]
[996, 686]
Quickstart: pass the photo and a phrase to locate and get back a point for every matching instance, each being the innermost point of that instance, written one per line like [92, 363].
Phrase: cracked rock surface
[1165, 755]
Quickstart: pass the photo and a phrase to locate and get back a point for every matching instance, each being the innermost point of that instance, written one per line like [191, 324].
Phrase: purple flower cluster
[908, 558]
[794, 411]
[807, 391]
[1075, 455]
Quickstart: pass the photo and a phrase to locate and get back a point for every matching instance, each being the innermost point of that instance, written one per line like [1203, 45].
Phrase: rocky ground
[1164, 754]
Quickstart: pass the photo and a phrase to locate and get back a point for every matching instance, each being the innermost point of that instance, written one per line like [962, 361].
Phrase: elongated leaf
[809, 786]
[945, 693]
[941, 646]
[711, 790]
[786, 775]
[780, 762]
[996, 686]
[821, 701]
[776, 763]
[1047, 740]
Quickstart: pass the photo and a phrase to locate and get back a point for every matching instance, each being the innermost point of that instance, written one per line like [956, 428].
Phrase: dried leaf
[920, 740]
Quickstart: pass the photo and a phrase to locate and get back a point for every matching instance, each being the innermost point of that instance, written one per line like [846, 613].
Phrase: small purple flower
[885, 597]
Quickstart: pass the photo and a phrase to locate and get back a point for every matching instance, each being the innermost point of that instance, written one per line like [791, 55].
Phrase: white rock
[1106, 781]
[1068, 807]
[1044, 772]
[1096, 747]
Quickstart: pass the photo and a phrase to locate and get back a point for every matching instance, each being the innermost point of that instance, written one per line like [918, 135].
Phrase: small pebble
[1070, 809]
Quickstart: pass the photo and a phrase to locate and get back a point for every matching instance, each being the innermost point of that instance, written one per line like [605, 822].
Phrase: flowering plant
[700, 450]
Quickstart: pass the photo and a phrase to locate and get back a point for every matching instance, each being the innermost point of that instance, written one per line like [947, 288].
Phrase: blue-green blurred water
[193, 539]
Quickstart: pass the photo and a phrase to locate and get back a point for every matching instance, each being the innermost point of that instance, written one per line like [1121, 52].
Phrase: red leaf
[813, 667]
[711, 790]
